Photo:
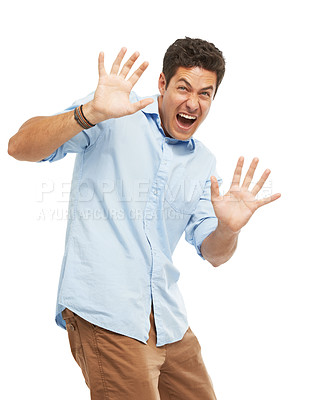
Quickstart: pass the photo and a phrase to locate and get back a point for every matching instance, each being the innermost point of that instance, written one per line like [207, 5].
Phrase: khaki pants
[117, 367]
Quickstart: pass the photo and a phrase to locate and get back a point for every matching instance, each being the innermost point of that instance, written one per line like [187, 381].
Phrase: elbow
[19, 146]
[215, 263]
[12, 148]
[15, 151]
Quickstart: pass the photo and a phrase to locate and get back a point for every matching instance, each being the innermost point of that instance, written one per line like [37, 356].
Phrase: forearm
[41, 136]
[220, 245]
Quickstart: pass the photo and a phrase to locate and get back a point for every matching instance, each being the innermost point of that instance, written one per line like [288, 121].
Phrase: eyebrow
[187, 83]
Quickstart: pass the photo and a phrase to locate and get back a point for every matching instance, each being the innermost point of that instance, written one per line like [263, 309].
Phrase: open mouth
[185, 121]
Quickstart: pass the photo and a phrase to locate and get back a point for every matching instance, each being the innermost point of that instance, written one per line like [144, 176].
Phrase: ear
[162, 83]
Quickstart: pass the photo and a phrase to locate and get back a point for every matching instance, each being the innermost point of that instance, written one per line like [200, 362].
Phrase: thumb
[215, 190]
[140, 104]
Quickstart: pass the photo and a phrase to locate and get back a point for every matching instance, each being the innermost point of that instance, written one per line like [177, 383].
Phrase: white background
[251, 315]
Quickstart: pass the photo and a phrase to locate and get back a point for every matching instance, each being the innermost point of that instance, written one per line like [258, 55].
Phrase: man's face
[186, 101]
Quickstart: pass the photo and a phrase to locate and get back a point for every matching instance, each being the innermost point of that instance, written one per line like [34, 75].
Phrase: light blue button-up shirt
[134, 192]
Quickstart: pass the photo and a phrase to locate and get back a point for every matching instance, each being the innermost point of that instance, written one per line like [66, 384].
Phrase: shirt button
[155, 191]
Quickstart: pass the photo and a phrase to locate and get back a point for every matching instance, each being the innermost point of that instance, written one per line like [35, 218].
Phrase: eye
[208, 94]
[182, 88]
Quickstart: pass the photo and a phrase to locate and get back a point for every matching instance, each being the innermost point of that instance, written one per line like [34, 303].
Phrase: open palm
[111, 99]
[236, 207]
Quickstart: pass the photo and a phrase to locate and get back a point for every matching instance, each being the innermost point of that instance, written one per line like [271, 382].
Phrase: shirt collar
[153, 109]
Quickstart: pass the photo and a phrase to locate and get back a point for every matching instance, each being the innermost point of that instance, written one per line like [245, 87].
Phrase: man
[140, 180]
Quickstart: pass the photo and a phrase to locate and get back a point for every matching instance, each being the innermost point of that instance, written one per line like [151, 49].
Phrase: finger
[137, 74]
[268, 200]
[261, 182]
[237, 173]
[127, 67]
[215, 190]
[140, 104]
[101, 68]
[249, 175]
[118, 60]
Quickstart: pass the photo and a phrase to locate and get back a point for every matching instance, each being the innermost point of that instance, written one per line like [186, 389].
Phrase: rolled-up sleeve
[80, 142]
[203, 221]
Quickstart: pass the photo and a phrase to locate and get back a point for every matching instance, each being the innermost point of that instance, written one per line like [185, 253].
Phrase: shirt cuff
[203, 230]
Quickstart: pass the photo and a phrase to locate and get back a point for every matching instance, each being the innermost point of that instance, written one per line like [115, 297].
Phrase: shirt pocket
[182, 192]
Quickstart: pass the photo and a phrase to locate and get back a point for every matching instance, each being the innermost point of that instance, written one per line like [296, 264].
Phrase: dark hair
[190, 53]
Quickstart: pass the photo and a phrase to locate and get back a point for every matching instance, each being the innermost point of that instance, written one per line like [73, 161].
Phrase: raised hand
[111, 99]
[236, 207]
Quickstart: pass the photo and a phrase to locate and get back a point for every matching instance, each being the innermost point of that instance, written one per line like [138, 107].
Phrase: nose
[192, 103]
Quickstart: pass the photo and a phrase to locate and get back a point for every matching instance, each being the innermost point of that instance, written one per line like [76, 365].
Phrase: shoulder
[203, 152]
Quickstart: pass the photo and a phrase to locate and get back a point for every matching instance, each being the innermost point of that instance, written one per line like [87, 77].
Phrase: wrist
[91, 114]
[227, 230]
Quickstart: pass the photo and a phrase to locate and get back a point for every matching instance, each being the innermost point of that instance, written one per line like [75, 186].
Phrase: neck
[160, 104]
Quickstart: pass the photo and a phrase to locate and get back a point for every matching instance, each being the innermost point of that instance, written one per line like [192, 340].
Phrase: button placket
[162, 175]
[153, 203]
